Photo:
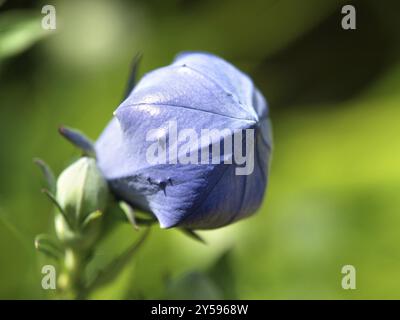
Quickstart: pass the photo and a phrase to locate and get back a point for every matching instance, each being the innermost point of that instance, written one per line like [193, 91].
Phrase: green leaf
[221, 272]
[48, 246]
[192, 286]
[194, 235]
[19, 30]
[22, 238]
[109, 273]
[47, 173]
[79, 140]
[123, 212]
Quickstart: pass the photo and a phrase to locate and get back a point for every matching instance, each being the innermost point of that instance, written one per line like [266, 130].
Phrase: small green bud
[81, 190]
[82, 195]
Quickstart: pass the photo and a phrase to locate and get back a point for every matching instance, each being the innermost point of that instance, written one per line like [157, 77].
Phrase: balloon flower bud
[191, 143]
[82, 195]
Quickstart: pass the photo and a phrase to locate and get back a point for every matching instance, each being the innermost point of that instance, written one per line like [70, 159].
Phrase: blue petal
[198, 91]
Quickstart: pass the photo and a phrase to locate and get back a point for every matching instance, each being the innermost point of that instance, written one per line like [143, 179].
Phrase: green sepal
[192, 234]
[53, 199]
[48, 246]
[47, 173]
[92, 218]
[121, 211]
[133, 75]
[129, 213]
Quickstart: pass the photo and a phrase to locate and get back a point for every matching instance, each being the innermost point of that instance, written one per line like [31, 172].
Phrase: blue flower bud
[191, 144]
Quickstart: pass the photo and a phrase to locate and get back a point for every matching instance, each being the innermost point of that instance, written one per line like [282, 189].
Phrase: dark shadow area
[330, 64]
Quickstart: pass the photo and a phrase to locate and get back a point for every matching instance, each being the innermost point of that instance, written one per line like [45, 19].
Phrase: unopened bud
[82, 194]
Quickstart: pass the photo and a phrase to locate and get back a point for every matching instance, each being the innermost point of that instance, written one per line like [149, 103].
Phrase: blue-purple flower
[148, 152]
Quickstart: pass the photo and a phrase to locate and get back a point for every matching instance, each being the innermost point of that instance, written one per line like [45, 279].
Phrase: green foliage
[192, 286]
[335, 175]
[222, 273]
[114, 269]
[217, 281]
[18, 31]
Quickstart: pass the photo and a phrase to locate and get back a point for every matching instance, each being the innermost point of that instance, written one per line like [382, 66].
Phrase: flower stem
[71, 280]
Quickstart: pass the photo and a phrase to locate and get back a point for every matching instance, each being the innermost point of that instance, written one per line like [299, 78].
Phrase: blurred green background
[334, 190]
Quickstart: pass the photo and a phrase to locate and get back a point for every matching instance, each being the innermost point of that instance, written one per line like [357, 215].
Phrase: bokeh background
[334, 191]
